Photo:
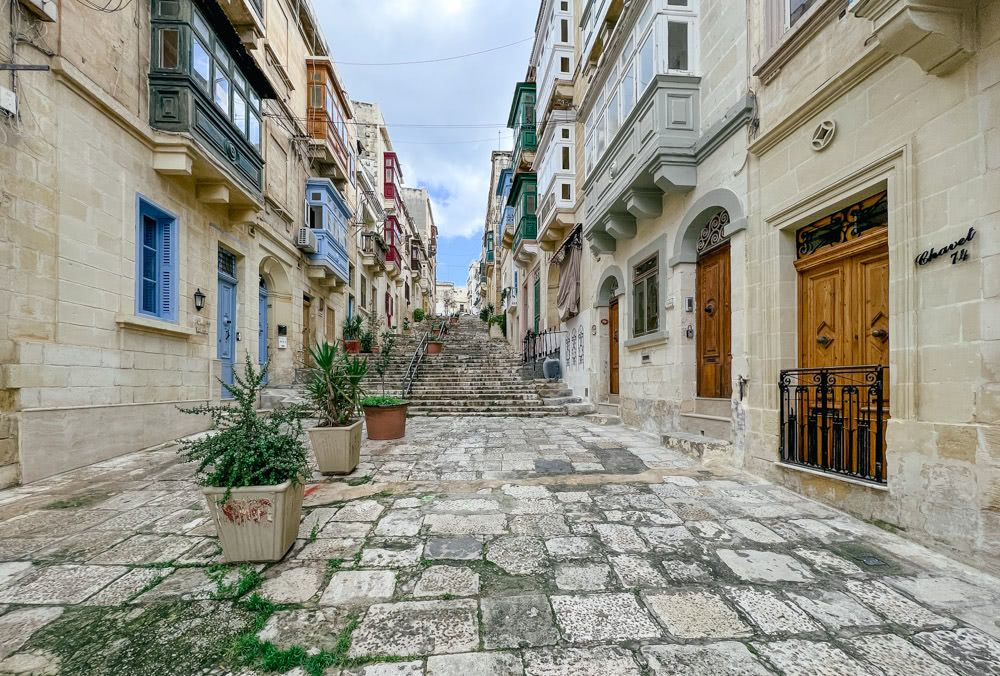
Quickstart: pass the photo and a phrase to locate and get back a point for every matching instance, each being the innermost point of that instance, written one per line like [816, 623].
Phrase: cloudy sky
[450, 160]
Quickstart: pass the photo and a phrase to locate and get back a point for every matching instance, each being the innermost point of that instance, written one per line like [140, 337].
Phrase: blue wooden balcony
[330, 255]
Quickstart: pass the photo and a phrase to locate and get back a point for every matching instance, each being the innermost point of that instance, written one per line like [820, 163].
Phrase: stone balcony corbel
[619, 225]
[644, 203]
[937, 34]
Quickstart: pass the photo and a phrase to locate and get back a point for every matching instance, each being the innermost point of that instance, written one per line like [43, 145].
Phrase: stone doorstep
[698, 446]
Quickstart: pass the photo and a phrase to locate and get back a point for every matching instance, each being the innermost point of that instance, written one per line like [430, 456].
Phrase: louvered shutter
[168, 269]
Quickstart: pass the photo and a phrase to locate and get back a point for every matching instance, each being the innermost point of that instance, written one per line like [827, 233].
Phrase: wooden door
[613, 346]
[714, 321]
[844, 306]
[331, 325]
[844, 322]
[306, 330]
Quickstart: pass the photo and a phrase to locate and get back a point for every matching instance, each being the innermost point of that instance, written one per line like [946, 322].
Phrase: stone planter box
[337, 449]
[386, 422]
[434, 347]
[256, 523]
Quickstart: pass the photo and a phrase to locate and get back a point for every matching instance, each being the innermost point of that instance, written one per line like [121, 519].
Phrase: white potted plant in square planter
[334, 391]
[251, 467]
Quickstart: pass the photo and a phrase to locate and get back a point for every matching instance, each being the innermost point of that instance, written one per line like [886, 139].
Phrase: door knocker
[824, 340]
[710, 308]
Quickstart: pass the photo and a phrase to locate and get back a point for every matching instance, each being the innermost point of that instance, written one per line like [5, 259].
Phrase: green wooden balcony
[527, 231]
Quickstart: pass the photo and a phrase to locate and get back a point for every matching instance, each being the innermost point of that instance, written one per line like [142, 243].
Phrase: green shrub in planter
[251, 467]
[419, 315]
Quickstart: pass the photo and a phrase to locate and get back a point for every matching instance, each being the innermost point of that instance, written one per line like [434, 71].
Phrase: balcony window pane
[612, 116]
[200, 26]
[222, 55]
[170, 48]
[253, 130]
[645, 17]
[529, 204]
[646, 63]
[316, 98]
[253, 101]
[240, 113]
[238, 81]
[677, 45]
[221, 89]
[601, 134]
[797, 9]
[628, 90]
[201, 63]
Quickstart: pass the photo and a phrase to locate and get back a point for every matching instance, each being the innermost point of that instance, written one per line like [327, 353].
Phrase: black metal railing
[538, 346]
[414, 367]
[833, 419]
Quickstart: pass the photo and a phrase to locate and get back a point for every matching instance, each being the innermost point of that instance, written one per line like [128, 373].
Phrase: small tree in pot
[385, 416]
[251, 468]
[334, 390]
[418, 315]
[370, 333]
[352, 334]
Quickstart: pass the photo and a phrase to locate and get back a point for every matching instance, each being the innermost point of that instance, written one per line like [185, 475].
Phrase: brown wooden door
[844, 306]
[844, 322]
[306, 330]
[613, 346]
[331, 325]
[714, 321]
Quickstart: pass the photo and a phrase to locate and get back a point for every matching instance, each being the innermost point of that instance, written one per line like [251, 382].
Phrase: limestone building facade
[181, 188]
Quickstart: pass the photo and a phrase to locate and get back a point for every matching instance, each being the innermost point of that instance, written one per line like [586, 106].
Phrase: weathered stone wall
[931, 142]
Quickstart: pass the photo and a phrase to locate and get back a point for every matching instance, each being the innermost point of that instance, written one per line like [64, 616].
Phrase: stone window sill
[150, 325]
[833, 476]
[649, 340]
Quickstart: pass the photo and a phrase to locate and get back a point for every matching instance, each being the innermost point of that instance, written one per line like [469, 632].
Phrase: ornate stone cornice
[937, 34]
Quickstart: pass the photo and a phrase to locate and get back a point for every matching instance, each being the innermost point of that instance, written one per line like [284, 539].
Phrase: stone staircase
[706, 432]
[476, 376]
[473, 376]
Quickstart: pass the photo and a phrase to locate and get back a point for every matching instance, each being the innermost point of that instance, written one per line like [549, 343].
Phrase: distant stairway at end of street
[476, 376]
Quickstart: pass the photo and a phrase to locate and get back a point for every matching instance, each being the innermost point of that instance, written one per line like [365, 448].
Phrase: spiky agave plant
[334, 385]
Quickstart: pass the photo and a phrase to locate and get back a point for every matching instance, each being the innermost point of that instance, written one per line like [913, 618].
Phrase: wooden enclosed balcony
[328, 113]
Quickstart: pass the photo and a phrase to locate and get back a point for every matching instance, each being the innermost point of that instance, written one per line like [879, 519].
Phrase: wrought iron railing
[538, 346]
[414, 367]
[834, 419]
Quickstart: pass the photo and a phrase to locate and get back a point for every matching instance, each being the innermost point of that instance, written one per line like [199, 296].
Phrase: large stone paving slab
[518, 622]
[726, 658]
[418, 628]
[598, 661]
[61, 585]
[697, 615]
[475, 664]
[603, 617]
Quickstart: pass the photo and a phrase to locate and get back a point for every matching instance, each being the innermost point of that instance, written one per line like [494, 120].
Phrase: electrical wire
[109, 7]
[445, 58]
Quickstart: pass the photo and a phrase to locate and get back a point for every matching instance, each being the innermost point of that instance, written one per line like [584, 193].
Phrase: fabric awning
[569, 258]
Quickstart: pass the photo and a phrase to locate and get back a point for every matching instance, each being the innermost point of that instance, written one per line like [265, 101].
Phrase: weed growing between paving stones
[314, 533]
[248, 580]
[78, 501]
[149, 585]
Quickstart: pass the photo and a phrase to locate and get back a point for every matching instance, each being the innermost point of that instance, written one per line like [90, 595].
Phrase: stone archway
[698, 215]
[608, 345]
[274, 277]
[612, 283]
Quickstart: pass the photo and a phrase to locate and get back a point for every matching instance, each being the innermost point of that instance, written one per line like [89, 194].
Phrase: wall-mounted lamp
[199, 300]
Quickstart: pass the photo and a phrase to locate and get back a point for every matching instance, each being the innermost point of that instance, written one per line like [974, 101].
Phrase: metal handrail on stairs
[411, 370]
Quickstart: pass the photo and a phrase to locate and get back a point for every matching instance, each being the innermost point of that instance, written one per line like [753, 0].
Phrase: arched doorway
[713, 309]
[263, 346]
[608, 293]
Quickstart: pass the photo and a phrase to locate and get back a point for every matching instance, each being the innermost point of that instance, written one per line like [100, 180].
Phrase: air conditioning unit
[306, 240]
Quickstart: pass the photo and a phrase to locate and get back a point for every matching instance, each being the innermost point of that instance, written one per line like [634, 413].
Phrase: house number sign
[956, 250]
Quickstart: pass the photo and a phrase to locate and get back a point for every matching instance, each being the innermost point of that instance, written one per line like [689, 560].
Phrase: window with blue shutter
[156, 261]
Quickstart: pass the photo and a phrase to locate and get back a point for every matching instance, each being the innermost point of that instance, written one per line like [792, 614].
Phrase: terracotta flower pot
[434, 347]
[256, 523]
[337, 449]
[352, 346]
[386, 422]
[454, 321]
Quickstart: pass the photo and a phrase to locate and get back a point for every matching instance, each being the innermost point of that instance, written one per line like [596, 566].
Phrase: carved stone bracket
[936, 34]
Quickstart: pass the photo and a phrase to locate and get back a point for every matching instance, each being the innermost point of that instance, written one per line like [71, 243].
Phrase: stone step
[715, 427]
[561, 401]
[719, 408]
[699, 446]
[602, 419]
[583, 408]
[605, 408]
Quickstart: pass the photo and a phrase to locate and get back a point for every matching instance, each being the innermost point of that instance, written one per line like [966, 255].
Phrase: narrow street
[608, 554]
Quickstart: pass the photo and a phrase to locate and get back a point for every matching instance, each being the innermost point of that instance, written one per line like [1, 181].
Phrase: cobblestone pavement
[482, 547]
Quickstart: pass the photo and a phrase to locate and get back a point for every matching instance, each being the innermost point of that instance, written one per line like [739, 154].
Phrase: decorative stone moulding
[823, 136]
[936, 34]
